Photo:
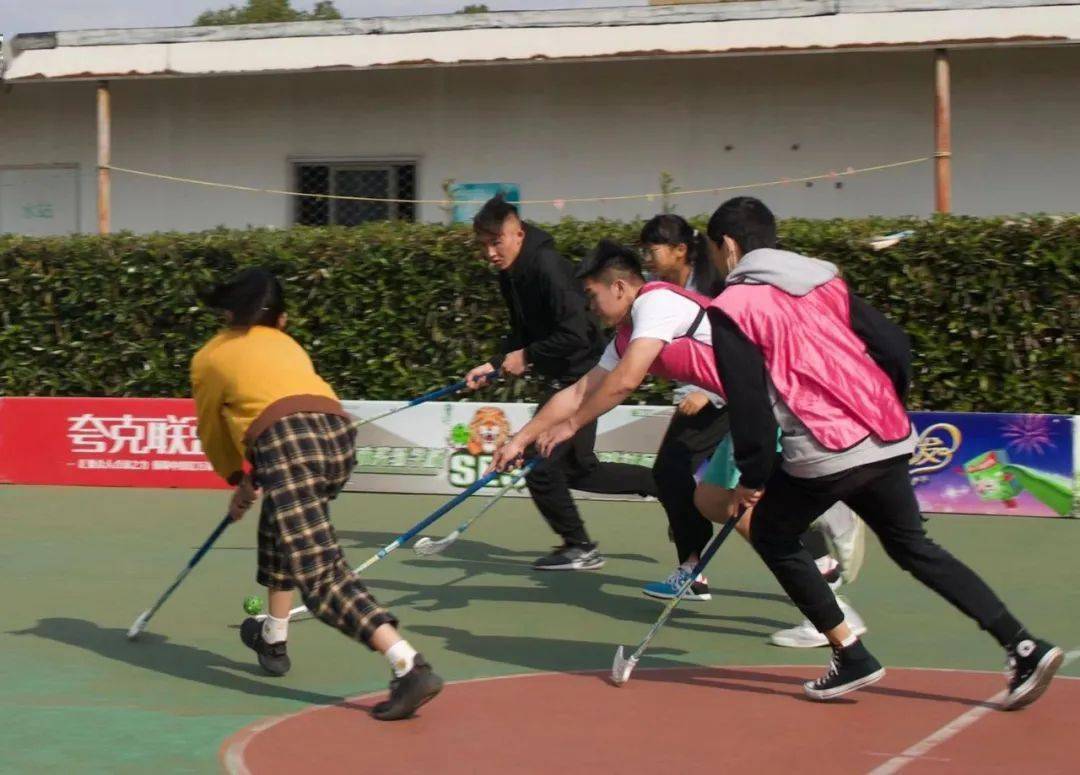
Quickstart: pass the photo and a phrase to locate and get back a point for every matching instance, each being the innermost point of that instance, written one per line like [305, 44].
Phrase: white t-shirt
[660, 314]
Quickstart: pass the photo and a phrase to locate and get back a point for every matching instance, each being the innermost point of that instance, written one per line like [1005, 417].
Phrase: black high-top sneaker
[851, 668]
[1031, 664]
[272, 656]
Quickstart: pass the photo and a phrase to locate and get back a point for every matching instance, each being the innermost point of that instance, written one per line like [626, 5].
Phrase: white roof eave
[1055, 25]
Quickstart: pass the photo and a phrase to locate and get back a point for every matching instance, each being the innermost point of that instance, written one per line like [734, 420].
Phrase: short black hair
[747, 221]
[492, 216]
[609, 260]
[254, 297]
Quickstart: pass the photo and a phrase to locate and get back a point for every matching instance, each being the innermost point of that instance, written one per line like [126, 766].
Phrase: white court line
[950, 730]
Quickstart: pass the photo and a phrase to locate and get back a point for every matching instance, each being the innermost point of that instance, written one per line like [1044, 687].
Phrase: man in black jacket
[552, 335]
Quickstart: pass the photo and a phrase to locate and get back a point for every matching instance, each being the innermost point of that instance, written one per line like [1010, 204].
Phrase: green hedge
[391, 310]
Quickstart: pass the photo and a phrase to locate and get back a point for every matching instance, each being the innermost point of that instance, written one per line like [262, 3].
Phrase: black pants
[881, 493]
[688, 442]
[574, 464]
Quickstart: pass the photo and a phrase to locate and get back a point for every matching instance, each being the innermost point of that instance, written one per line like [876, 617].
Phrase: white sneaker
[806, 635]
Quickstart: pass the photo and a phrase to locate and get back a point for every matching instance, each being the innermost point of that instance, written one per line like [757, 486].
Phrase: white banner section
[442, 448]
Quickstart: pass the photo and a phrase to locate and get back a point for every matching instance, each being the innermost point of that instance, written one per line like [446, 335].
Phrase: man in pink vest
[661, 329]
[673, 343]
[796, 350]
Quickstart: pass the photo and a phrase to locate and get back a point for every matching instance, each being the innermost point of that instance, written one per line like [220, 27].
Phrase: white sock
[401, 657]
[275, 630]
[850, 640]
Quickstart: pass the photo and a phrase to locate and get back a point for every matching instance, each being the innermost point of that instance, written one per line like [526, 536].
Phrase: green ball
[253, 605]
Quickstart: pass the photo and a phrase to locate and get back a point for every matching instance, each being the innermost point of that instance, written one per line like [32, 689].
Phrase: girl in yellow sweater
[259, 399]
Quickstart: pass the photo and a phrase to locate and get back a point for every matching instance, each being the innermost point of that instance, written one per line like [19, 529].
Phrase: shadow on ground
[596, 591]
[157, 653]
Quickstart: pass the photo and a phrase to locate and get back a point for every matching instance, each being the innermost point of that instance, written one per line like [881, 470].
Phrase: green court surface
[80, 564]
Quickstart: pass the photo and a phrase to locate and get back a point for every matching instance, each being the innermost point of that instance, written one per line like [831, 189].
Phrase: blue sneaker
[669, 587]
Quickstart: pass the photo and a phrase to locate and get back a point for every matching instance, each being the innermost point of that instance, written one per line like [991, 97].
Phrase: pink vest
[684, 359]
[818, 364]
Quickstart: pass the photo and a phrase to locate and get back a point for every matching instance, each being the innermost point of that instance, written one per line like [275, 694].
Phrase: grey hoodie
[790, 272]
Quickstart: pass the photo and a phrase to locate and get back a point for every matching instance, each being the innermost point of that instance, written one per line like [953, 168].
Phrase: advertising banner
[445, 447]
[102, 442]
[970, 463]
[1004, 464]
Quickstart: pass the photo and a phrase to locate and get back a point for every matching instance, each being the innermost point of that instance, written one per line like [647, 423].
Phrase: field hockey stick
[144, 618]
[623, 666]
[411, 532]
[434, 395]
[428, 546]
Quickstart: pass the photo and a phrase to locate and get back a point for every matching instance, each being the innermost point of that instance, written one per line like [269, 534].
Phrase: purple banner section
[1005, 464]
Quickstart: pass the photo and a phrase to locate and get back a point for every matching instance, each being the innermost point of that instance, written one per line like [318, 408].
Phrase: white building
[564, 104]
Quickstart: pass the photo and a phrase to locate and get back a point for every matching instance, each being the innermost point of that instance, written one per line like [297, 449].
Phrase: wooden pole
[942, 133]
[104, 157]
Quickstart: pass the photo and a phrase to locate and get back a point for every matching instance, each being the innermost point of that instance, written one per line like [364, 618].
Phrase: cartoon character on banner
[475, 444]
[990, 474]
[994, 478]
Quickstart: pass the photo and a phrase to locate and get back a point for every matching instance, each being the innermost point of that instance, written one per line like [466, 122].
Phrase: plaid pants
[302, 462]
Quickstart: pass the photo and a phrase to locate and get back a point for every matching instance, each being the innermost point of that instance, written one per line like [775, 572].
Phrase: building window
[381, 180]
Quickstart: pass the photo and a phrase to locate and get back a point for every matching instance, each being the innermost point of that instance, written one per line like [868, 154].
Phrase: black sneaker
[409, 692]
[1031, 665]
[851, 668]
[571, 557]
[272, 656]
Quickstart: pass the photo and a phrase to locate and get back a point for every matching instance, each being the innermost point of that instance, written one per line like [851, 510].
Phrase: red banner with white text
[102, 442]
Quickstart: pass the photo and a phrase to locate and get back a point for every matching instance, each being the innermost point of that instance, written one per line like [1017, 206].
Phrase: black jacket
[548, 312]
